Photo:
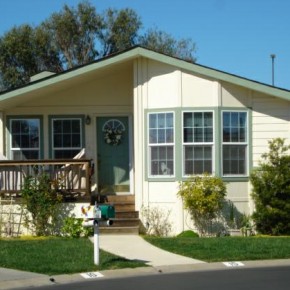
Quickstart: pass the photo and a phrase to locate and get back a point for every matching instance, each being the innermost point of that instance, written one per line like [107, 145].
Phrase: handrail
[74, 174]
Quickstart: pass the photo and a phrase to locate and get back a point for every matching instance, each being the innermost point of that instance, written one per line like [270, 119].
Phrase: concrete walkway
[134, 247]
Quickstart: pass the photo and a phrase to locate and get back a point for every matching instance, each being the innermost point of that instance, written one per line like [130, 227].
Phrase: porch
[70, 177]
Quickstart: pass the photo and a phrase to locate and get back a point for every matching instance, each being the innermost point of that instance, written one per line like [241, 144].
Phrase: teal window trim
[194, 143]
[23, 117]
[65, 117]
[157, 178]
[236, 178]
[217, 146]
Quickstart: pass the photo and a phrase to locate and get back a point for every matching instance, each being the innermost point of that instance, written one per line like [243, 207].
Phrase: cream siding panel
[234, 96]
[198, 92]
[270, 119]
[163, 86]
[237, 192]
[165, 192]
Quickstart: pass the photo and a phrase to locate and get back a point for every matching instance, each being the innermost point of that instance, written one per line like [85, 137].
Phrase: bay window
[161, 144]
[234, 143]
[197, 142]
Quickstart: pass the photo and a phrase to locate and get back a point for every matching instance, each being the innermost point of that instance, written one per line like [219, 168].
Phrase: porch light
[88, 120]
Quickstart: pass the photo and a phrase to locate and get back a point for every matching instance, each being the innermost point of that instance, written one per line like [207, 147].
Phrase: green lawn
[53, 256]
[226, 248]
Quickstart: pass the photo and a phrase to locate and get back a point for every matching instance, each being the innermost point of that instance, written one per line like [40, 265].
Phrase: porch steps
[126, 220]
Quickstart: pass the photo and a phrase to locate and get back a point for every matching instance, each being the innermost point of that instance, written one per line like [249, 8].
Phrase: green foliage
[120, 30]
[73, 33]
[203, 196]
[163, 42]
[75, 36]
[72, 227]
[24, 51]
[188, 234]
[271, 190]
[41, 203]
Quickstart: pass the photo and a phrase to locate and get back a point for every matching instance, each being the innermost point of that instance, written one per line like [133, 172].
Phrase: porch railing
[73, 177]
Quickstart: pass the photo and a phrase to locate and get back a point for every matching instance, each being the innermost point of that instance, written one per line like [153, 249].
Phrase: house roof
[7, 98]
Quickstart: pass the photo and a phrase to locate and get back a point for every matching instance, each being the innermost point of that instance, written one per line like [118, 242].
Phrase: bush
[73, 228]
[203, 196]
[157, 221]
[271, 190]
[188, 234]
[41, 203]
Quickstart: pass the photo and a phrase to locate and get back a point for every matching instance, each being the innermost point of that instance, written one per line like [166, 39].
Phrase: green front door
[113, 154]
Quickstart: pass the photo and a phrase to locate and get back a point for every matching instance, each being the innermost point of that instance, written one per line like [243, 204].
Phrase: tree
[163, 42]
[73, 33]
[271, 190]
[76, 36]
[121, 30]
[204, 197]
[24, 51]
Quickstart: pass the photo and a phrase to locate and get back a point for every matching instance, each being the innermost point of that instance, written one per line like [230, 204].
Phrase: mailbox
[108, 211]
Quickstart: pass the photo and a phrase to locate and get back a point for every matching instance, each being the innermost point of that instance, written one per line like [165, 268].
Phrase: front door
[113, 154]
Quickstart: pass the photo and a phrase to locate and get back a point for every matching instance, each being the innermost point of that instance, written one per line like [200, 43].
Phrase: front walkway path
[133, 247]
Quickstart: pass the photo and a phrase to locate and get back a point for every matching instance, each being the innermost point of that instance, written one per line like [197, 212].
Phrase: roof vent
[41, 75]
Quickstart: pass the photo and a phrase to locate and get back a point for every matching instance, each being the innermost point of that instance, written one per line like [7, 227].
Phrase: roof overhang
[53, 82]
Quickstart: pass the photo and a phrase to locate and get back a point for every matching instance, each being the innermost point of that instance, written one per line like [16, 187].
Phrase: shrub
[72, 227]
[41, 203]
[188, 234]
[271, 190]
[203, 196]
[157, 221]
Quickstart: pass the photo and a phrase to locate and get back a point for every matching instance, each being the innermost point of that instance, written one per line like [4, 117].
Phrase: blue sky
[235, 36]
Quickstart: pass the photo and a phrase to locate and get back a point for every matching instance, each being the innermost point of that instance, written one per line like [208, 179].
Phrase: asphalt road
[266, 278]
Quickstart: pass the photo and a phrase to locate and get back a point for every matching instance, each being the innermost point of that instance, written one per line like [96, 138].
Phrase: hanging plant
[113, 136]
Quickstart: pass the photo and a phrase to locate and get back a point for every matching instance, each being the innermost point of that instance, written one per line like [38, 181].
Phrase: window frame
[196, 143]
[12, 149]
[245, 143]
[156, 145]
[51, 132]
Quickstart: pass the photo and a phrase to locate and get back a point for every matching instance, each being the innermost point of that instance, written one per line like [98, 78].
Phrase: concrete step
[119, 230]
[126, 220]
[127, 214]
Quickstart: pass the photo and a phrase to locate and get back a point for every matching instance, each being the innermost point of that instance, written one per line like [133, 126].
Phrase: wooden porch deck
[73, 176]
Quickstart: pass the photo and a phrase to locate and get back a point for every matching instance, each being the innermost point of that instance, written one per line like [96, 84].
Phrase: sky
[235, 36]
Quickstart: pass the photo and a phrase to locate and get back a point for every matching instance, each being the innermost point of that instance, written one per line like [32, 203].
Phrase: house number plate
[233, 264]
[92, 275]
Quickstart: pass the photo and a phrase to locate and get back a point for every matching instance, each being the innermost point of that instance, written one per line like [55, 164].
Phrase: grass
[226, 248]
[54, 256]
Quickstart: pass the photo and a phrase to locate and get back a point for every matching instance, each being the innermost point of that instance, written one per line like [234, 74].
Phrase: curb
[44, 280]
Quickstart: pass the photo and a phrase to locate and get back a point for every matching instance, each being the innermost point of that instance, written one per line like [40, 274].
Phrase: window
[235, 143]
[66, 137]
[197, 142]
[161, 144]
[25, 135]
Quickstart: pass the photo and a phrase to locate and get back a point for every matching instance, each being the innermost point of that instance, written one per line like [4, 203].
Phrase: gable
[107, 65]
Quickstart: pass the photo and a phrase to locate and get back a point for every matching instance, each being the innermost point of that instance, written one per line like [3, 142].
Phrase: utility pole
[273, 68]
